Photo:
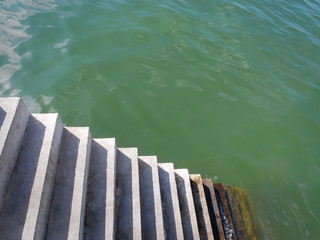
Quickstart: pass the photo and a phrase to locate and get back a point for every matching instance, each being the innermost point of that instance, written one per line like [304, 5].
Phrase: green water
[228, 89]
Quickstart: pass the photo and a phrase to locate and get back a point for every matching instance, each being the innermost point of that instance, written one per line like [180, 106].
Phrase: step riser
[213, 209]
[170, 202]
[188, 214]
[228, 229]
[204, 224]
[151, 210]
[128, 195]
[238, 223]
[67, 213]
[100, 211]
[30, 189]
[14, 117]
[58, 183]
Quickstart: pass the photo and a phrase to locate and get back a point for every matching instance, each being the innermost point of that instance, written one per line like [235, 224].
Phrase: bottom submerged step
[242, 213]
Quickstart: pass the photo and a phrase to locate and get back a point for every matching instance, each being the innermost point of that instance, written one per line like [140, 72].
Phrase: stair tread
[30, 188]
[151, 210]
[229, 228]
[66, 219]
[188, 214]
[204, 224]
[100, 210]
[128, 223]
[14, 117]
[214, 209]
[170, 202]
[57, 182]
[237, 218]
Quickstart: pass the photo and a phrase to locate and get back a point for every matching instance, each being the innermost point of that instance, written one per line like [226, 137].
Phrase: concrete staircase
[58, 182]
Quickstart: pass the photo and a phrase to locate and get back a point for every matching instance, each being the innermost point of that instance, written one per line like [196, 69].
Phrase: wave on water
[13, 32]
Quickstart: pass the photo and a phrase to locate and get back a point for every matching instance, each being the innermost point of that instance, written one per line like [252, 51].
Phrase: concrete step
[67, 212]
[225, 212]
[128, 222]
[100, 209]
[14, 117]
[151, 210]
[238, 223]
[26, 205]
[203, 218]
[213, 209]
[188, 214]
[170, 202]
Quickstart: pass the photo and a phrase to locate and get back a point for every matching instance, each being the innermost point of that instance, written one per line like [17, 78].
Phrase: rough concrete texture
[100, 210]
[151, 210]
[128, 195]
[188, 214]
[213, 209]
[170, 202]
[58, 183]
[14, 117]
[229, 230]
[67, 212]
[238, 223]
[26, 205]
[204, 224]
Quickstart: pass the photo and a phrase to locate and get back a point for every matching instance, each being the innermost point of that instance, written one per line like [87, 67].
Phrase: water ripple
[13, 33]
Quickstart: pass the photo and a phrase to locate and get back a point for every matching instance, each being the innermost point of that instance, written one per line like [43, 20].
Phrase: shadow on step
[2, 116]
[16, 202]
[167, 204]
[124, 197]
[97, 192]
[147, 200]
[60, 211]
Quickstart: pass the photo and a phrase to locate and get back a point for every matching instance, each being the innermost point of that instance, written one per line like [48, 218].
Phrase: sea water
[227, 89]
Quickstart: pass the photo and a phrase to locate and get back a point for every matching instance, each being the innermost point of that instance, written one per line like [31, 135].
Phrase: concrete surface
[28, 197]
[203, 218]
[100, 211]
[67, 213]
[188, 214]
[170, 202]
[213, 209]
[58, 183]
[128, 195]
[229, 228]
[14, 117]
[238, 224]
[151, 210]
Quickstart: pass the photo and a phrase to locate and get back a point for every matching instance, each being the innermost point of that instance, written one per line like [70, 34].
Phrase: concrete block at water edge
[200, 203]
[14, 117]
[26, 205]
[213, 209]
[237, 218]
[151, 210]
[100, 209]
[188, 214]
[67, 212]
[128, 222]
[221, 199]
[170, 202]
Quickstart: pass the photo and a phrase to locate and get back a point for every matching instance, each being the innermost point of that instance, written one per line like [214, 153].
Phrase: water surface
[228, 89]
